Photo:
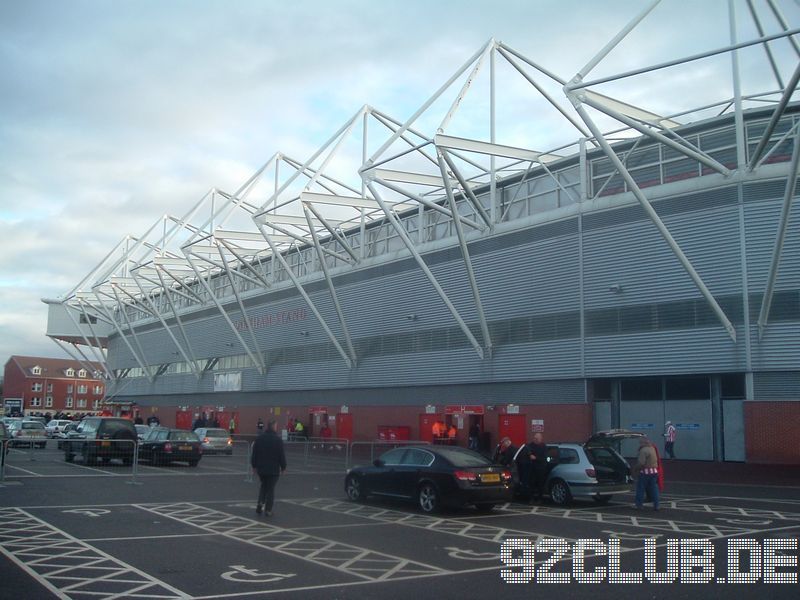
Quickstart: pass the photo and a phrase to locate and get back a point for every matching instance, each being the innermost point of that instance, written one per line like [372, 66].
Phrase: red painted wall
[770, 430]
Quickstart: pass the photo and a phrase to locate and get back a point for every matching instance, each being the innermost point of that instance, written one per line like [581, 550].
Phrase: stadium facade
[620, 280]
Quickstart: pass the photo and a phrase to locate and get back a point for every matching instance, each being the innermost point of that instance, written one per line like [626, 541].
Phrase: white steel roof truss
[435, 206]
[585, 97]
[462, 242]
[99, 357]
[790, 89]
[523, 154]
[392, 218]
[257, 358]
[122, 335]
[331, 227]
[306, 297]
[138, 273]
[651, 213]
[221, 249]
[614, 173]
[80, 357]
[466, 190]
[246, 264]
[780, 238]
[332, 289]
[143, 362]
[272, 218]
[187, 357]
[310, 242]
[193, 362]
[239, 302]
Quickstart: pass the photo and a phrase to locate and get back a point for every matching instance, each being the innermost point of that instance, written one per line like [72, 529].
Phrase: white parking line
[48, 555]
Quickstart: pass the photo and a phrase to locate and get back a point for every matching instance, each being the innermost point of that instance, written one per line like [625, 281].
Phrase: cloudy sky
[113, 113]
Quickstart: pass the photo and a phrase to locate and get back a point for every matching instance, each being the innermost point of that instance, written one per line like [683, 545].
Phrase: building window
[98, 390]
[68, 402]
[70, 372]
[36, 402]
[83, 388]
[82, 373]
[70, 388]
[81, 402]
[36, 387]
[49, 387]
[96, 404]
[36, 370]
[48, 402]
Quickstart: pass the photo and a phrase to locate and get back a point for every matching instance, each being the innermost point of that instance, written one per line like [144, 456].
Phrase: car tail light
[230, 442]
[506, 475]
[591, 473]
[465, 476]
[167, 447]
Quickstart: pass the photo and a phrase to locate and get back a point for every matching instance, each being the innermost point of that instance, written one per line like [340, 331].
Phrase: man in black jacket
[269, 461]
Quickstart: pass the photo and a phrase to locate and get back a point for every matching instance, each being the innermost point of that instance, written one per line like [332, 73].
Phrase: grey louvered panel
[637, 258]
[698, 351]
[777, 385]
[761, 224]
[778, 349]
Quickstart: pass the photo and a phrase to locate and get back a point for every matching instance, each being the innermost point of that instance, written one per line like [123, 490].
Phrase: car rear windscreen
[216, 433]
[183, 436]
[463, 458]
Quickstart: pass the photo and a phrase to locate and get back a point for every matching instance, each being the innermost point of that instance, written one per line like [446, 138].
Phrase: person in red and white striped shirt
[669, 439]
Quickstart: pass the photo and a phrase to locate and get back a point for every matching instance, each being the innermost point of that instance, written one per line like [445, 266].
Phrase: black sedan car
[433, 477]
[163, 446]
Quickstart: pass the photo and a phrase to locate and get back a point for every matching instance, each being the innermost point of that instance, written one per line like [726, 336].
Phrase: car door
[414, 464]
[382, 480]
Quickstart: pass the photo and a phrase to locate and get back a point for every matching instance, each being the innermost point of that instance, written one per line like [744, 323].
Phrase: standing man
[268, 461]
[474, 436]
[669, 439]
[538, 473]
[646, 468]
[232, 425]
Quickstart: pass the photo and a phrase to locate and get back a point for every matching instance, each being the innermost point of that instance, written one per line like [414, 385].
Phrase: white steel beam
[307, 298]
[422, 265]
[780, 238]
[651, 213]
[462, 242]
[456, 143]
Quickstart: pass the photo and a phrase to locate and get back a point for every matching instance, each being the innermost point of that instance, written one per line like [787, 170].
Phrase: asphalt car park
[72, 531]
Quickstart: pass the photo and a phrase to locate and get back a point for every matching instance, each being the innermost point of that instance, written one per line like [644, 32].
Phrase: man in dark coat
[268, 461]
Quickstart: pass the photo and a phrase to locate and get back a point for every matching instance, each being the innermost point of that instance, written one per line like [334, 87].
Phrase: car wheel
[127, 462]
[559, 492]
[485, 508]
[41, 445]
[229, 452]
[68, 456]
[193, 463]
[428, 498]
[602, 499]
[88, 458]
[355, 489]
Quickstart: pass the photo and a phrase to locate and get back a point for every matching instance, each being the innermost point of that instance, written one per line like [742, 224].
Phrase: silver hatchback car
[595, 469]
[214, 440]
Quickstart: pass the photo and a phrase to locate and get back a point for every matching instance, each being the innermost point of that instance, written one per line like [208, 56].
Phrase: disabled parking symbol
[242, 574]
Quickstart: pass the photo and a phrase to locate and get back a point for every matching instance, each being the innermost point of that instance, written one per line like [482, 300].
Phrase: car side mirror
[378, 462]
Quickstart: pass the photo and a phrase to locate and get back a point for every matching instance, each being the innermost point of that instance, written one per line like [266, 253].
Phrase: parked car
[56, 425]
[101, 438]
[163, 446]
[41, 420]
[72, 429]
[433, 477]
[27, 433]
[142, 431]
[214, 440]
[594, 469]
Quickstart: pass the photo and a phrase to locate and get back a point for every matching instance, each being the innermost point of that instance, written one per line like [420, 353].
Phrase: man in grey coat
[268, 461]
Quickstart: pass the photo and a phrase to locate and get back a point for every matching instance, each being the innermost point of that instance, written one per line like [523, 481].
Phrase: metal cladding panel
[779, 348]
[777, 385]
[674, 352]
[635, 257]
[761, 226]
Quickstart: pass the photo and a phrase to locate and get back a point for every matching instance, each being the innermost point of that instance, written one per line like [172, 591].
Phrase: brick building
[35, 384]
